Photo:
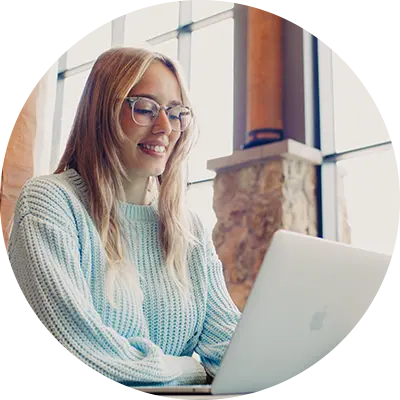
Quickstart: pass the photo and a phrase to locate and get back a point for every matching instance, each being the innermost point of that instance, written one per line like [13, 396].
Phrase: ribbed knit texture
[59, 262]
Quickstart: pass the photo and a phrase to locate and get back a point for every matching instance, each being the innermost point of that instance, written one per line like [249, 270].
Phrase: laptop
[308, 295]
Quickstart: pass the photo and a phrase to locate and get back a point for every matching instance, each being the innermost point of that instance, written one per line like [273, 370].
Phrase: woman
[105, 250]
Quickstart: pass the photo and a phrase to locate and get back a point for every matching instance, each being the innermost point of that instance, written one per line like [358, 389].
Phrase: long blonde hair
[94, 151]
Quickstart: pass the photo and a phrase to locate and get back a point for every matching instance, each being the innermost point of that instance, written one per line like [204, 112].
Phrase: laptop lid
[308, 295]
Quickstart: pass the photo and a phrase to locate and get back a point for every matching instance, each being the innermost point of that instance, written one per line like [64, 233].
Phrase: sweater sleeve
[222, 315]
[44, 254]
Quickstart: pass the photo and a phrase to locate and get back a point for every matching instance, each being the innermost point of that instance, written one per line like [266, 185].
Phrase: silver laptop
[308, 295]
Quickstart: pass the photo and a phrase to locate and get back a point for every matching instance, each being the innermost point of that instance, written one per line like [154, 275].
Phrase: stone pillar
[256, 192]
[264, 187]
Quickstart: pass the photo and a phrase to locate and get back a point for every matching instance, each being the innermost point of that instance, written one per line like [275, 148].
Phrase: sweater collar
[130, 211]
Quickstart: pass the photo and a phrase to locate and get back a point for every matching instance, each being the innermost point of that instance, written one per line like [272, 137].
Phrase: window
[200, 198]
[169, 48]
[366, 84]
[88, 48]
[73, 87]
[212, 94]
[149, 22]
[372, 199]
[200, 36]
[359, 169]
[204, 9]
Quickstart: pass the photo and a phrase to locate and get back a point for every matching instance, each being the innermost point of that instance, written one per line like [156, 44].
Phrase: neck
[139, 190]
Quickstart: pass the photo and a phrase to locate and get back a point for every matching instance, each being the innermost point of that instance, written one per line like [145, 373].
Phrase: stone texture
[253, 202]
[299, 207]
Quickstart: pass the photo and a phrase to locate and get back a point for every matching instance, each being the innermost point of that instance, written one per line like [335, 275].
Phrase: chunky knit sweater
[59, 262]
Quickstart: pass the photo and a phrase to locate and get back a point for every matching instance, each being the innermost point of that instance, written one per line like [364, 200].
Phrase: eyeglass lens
[144, 113]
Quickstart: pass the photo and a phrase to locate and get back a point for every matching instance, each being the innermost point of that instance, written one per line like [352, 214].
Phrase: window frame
[183, 34]
[328, 176]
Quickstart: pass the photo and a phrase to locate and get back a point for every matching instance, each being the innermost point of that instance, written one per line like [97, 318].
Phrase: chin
[155, 171]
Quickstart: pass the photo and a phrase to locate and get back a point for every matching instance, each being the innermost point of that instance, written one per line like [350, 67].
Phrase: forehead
[160, 82]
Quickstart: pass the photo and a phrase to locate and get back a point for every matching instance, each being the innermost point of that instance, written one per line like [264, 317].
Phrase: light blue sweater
[59, 262]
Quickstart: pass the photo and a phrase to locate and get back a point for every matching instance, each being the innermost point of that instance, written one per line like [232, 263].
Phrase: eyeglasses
[145, 111]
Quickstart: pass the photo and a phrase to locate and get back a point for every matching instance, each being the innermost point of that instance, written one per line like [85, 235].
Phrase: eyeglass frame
[132, 100]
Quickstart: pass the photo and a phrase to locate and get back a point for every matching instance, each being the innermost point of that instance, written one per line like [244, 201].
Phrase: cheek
[125, 121]
[174, 141]
[129, 128]
[175, 136]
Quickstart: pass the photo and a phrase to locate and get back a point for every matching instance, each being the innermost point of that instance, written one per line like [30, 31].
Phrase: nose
[162, 124]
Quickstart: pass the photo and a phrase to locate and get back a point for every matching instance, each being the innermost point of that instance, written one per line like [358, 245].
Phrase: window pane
[73, 88]
[212, 95]
[203, 9]
[200, 200]
[169, 48]
[371, 191]
[152, 21]
[365, 90]
[90, 47]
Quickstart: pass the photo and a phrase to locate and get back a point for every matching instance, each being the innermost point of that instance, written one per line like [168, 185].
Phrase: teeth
[157, 149]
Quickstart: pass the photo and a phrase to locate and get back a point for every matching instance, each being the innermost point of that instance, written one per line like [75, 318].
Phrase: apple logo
[317, 320]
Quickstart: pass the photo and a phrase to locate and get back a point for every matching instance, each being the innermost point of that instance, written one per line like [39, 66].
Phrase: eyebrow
[155, 98]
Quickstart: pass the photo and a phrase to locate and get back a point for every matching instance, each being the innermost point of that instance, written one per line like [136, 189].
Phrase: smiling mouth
[151, 149]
